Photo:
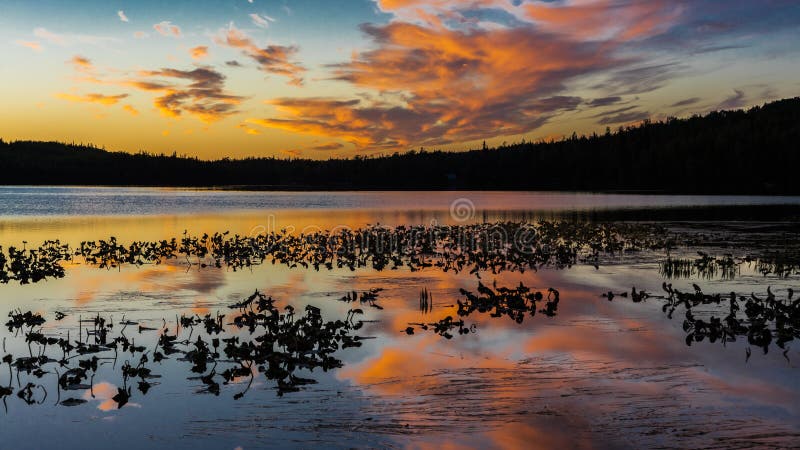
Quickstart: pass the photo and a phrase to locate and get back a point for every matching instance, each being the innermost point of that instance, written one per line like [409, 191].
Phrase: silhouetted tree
[754, 151]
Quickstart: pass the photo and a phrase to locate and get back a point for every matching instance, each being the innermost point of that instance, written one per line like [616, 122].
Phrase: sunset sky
[319, 79]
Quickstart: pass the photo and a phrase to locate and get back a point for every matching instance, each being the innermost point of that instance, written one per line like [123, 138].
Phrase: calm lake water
[599, 374]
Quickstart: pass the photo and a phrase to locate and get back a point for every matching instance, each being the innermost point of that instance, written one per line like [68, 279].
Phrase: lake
[357, 350]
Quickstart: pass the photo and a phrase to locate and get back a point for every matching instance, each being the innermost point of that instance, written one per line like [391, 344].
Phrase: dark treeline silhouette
[753, 151]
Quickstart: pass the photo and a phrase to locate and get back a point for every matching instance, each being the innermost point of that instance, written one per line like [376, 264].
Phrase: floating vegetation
[763, 321]
[515, 303]
[277, 345]
[31, 266]
[493, 247]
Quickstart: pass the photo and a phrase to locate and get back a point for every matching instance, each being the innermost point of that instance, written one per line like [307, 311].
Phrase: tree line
[755, 151]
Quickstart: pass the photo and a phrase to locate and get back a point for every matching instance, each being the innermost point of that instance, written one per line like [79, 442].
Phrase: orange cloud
[106, 100]
[273, 59]
[199, 52]
[203, 97]
[81, 63]
[33, 45]
[325, 117]
[453, 71]
[133, 111]
[248, 129]
[454, 85]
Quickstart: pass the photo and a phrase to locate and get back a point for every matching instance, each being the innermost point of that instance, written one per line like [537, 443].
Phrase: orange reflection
[104, 393]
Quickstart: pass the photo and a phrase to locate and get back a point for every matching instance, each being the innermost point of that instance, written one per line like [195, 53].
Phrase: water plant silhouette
[515, 303]
[489, 247]
[277, 345]
[762, 320]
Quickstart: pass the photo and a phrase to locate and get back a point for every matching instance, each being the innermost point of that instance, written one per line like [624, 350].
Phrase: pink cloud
[166, 28]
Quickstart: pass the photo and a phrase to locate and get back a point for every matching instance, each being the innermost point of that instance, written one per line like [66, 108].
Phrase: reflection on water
[583, 372]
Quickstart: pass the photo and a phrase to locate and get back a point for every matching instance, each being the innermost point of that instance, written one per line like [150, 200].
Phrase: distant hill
[754, 152]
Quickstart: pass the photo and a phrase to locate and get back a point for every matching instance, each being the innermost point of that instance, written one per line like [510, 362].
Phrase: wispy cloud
[130, 109]
[69, 39]
[641, 78]
[49, 36]
[624, 118]
[737, 100]
[274, 59]
[262, 20]
[166, 28]
[82, 64]
[685, 102]
[33, 45]
[604, 101]
[327, 147]
[122, 16]
[101, 99]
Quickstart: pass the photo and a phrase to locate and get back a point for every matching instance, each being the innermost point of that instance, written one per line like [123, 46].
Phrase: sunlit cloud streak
[33, 45]
[122, 16]
[328, 146]
[71, 39]
[106, 100]
[81, 63]
[261, 20]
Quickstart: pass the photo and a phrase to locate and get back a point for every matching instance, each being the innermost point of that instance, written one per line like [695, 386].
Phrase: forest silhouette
[756, 151]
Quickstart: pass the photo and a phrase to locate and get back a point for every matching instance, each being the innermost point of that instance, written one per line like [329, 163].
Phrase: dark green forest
[755, 151]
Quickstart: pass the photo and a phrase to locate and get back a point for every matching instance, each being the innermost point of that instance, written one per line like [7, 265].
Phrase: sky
[323, 79]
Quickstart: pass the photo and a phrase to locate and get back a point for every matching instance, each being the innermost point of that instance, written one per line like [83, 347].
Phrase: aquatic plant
[278, 344]
[706, 266]
[762, 320]
[515, 303]
[489, 247]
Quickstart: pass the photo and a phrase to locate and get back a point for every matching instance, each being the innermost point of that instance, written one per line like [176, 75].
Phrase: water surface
[599, 374]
